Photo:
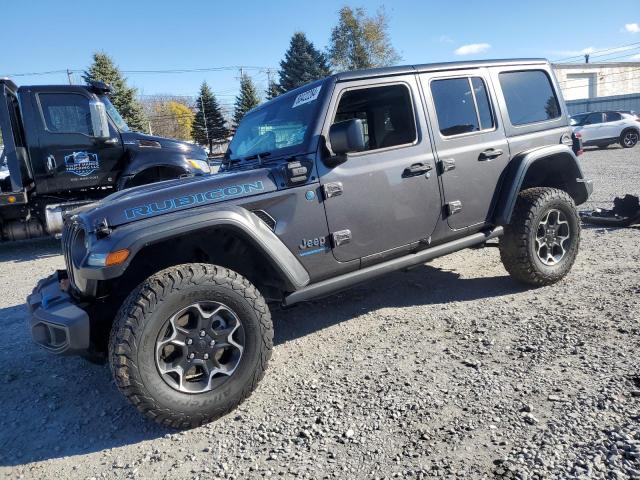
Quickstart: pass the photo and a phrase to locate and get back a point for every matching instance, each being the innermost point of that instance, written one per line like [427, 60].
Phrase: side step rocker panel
[352, 278]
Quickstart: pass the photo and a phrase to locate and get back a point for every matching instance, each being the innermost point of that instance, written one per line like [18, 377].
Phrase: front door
[69, 157]
[471, 146]
[593, 128]
[389, 192]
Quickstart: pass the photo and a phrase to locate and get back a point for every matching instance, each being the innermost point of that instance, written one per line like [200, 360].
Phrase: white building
[591, 80]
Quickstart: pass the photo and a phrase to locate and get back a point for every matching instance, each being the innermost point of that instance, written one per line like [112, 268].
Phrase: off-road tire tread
[141, 303]
[515, 253]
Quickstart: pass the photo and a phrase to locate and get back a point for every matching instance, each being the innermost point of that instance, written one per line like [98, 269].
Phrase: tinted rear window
[530, 97]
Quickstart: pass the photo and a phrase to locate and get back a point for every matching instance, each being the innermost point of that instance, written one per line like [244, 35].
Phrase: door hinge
[454, 207]
[333, 189]
[447, 164]
[341, 237]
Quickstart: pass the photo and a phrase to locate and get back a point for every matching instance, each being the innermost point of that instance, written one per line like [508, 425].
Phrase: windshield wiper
[259, 156]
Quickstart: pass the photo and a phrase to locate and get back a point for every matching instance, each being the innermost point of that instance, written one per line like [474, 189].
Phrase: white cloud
[632, 27]
[472, 49]
[445, 39]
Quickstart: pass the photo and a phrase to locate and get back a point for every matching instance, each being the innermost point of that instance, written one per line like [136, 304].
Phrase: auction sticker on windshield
[306, 97]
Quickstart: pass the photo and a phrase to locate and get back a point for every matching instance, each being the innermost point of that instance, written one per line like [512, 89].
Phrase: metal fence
[597, 104]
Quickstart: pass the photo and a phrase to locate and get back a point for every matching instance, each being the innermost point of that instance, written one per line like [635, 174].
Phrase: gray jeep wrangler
[324, 187]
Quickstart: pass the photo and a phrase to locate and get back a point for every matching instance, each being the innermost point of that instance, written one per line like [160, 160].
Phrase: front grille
[70, 233]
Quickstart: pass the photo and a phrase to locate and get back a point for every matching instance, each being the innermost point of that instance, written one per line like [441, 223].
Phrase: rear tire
[629, 138]
[541, 243]
[218, 333]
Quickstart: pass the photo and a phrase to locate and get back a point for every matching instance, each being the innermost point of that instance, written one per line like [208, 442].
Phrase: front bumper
[57, 323]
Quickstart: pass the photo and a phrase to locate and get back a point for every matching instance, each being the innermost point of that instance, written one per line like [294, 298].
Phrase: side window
[529, 96]
[613, 117]
[66, 113]
[462, 105]
[386, 112]
[594, 119]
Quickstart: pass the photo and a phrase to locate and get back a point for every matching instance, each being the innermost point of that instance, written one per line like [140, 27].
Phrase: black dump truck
[64, 146]
[330, 185]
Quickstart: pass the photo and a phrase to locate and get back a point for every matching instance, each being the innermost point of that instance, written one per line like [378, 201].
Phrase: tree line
[357, 41]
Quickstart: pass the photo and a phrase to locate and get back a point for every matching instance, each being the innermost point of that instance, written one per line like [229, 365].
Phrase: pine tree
[208, 124]
[123, 97]
[246, 100]
[361, 41]
[302, 64]
[273, 90]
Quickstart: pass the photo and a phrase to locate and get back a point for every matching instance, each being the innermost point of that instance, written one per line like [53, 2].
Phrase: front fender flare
[138, 235]
[579, 188]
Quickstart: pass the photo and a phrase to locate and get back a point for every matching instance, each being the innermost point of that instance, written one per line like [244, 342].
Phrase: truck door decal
[82, 164]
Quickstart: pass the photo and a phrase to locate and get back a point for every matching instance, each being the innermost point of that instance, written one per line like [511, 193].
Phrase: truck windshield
[114, 114]
[274, 128]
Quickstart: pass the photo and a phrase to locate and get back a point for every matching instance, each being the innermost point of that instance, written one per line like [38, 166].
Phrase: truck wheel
[190, 343]
[629, 138]
[540, 244]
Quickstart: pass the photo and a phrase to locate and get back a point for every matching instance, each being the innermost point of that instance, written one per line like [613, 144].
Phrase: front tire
[190, 343]
[541, 243]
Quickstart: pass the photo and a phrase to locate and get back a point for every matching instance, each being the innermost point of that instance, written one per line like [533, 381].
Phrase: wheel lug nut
[192, 356]
[206, 356]
[189, 341]
[212, 343]
[202, 333]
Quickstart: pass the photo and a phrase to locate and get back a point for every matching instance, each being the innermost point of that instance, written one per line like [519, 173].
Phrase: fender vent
[266, 218]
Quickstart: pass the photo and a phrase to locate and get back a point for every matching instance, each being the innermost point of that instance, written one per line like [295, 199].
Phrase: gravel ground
[450, 370]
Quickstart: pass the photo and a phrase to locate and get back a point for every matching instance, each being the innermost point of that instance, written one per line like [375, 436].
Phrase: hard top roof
[432, 67]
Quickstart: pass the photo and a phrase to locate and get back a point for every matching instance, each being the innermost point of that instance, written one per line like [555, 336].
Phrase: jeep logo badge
[312, 242]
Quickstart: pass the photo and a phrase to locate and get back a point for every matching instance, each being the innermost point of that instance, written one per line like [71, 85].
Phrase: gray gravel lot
[450, 370]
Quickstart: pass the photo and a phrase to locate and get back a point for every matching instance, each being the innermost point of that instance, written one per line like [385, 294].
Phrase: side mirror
[99, 120]
[347, 136]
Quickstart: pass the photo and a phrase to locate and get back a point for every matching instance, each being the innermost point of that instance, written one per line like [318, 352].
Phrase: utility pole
[206, 127]
[70, 76]
[586, 58]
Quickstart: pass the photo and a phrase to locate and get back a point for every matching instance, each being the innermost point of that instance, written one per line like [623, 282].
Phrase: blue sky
[147, 35]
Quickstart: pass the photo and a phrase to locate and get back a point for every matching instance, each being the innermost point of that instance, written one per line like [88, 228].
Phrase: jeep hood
[160, 198]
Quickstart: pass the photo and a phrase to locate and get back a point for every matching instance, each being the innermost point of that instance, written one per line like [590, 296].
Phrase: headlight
[200, 165]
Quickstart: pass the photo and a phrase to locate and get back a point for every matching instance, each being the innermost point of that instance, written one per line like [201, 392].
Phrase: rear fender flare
[550, 166]
[144, 233]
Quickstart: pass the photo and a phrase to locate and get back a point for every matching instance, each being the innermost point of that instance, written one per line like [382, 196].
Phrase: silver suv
[601, 129]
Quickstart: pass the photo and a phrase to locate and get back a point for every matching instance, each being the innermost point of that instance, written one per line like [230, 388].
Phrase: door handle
[490, 153]
[111, 141]
[416, 169]
[51, 165]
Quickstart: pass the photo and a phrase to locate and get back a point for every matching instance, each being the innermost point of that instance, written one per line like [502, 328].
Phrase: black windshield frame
[286, 101]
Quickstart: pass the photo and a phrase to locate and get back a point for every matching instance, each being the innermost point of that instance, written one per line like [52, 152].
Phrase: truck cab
[66, 145]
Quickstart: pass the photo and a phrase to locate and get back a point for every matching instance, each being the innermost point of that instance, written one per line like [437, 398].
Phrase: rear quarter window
[529, 96]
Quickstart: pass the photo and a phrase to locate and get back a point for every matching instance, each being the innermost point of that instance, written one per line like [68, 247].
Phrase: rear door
[613, 125]
[470, 143]
[68, 156]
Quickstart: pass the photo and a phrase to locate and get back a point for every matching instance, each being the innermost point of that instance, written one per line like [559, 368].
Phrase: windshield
[114, 114]
[577, 119]
[282, 124]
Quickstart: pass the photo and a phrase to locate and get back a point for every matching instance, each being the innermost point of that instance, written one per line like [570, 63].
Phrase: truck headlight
[201, 165]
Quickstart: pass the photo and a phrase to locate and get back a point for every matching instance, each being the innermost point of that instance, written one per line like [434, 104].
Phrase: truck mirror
[99, 120]
[347, 136]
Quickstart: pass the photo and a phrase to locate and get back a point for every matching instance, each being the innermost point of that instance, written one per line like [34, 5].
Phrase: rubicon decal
[81, 163]
[211, 196]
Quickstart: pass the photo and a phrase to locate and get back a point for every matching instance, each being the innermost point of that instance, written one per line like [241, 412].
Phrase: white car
[601, 129]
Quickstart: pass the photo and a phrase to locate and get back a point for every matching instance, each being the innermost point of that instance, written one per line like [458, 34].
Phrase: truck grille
[70, 233]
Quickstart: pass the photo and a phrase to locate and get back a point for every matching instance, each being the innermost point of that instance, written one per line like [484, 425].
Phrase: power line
[595, 53]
